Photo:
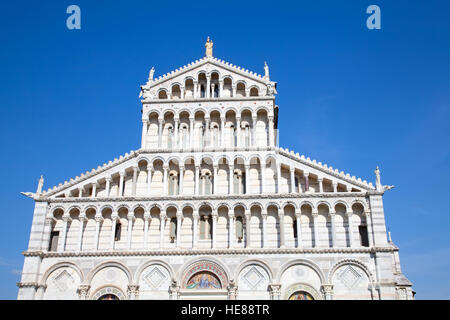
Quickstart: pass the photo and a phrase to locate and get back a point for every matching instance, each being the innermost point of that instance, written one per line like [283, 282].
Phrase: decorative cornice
[200, 252]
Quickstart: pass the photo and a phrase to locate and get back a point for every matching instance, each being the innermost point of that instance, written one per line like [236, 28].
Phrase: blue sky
[350, 97]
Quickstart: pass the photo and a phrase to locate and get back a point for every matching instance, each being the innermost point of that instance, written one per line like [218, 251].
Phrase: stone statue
[377, 177]
[40, 185]
[151, 73]
[209, 47]
[266, 71]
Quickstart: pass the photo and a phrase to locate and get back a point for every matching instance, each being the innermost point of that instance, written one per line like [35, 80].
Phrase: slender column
[191, 133]
[94, 190]
[263, 176]
[264, 227]
[334, 186]
[299, 228]
[316, 230]
[197, 169]
[195, 229]
[108, 185]
[160, 129]
[278, 177]
[271, 135]
[231, 221]
[238, 131]
[333, 228]
[65, 219]
[82, 218]
[369, 228]
[281, 225]
[179, 220]
[306, 175]
[208, 86]
[149, 177]
[133, 188]
[207, 137]
[122, 175]
[80, 192]
[144, 133]
[180, 185]
[114, 218]
[131, 218]
[165, 189]
[247, 178]
[146, 221]
[230, 176]
[292, 171]
[220, 87]
[182, 92]
[98, 221]
[195, 88]
[215, 179]
[222, 132]
[162, 228]
[247, 229]
[234, 90]
[320, 185]
[253, 139]
[350, 229]
[175, 145]
[48, 224]
[214, 228]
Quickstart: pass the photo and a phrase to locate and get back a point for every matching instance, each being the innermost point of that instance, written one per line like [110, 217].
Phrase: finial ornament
[389, 237]
[151, 73]
[266, 71]
[378, 181]
[40, 185]
[209, 47]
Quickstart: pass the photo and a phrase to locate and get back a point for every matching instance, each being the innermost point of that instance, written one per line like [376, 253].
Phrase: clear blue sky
[350, 97]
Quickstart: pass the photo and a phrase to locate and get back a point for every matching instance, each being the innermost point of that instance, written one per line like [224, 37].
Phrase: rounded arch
[224, 204]
[63, 264]
[325, 203]
[107, 264]
[74, 207]
[148, 263]
[264, 108]
[305, 262]
[344, 203]
[205, 204]
[240, 204]
[252, 156]
[187, 204]
[171, 205]
[106, 206]
[58, 207]
[258, 262]
[188, 111]
[108, 289]
[354, 262]
[275, 204]
[215, 109]
[256, 204]
[357, 201]
[155, 205]
[147, 114]
[291, 203]
[142, 158]
[304, 287]
[199, 109]
[306, 202]
[136, 206]
[232, 109]
[90, 206]
[123, 205]
[221, 270]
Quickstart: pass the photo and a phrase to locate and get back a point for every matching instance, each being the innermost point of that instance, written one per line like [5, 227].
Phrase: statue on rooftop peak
[40, 185]
[209, 47]
[266, 71]
[377, 177]
[151, 73]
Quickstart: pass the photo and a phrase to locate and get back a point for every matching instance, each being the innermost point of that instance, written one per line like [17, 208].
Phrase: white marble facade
[211, 208]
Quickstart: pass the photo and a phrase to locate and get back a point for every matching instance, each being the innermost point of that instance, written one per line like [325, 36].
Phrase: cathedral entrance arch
[301, 291]
[109, 293]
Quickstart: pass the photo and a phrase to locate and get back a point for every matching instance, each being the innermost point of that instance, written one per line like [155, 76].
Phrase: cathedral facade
[210, 207]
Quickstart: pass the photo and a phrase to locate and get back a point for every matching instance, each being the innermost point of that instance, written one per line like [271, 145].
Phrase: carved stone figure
[209, 47]
[40, 185]
[266, 71]
[151, 74]
[377, 176]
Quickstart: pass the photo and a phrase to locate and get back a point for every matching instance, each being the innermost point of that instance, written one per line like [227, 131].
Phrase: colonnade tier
[202, 128]
[209, 85]
[207, 176]
[207, 226]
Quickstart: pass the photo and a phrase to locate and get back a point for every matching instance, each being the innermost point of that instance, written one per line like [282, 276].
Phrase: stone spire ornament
[40, 185]
[378, 181]
[266, 71]
[209, 47]
[151, 73]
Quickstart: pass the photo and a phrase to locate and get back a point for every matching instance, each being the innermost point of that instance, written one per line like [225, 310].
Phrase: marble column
[320, 184]
[315, 215]
[98, 222]
[144, 133]
[350, 229]
[369, 227]
[247, 229]
[130, 218]
[133, 188]
[65, 219]
[162, 228]
[271, 132]
[207, 137]
[146, 222]
[253, 139]
[108, 186]
[82, 218]
[263, 176]
[214, 228]
[264, 226]
[149, 178]
[278, 177]
[292, 172]
[230, 176]
[215, 167]
[281, 226]
[197, 187]
[80, 192]
[334, 186]
[222, 132]
[238, 131]
[175, 144]
[181, 178]
[179, 221]
[333, 228]
[165, 183]
[122, 175]
[208, 86]
[234, 90]
[195, 229]
[160, 130]
[247, 178]
[191, 132]
[306, 175]
[48, 224]
[195, 89]
[94, 189]
[231, 221]
[114, 218]
[299, 228]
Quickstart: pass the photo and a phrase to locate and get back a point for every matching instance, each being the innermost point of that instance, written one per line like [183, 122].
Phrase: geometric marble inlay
[253, 277]
[350, 277]
[62, 279]
[155, 277]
